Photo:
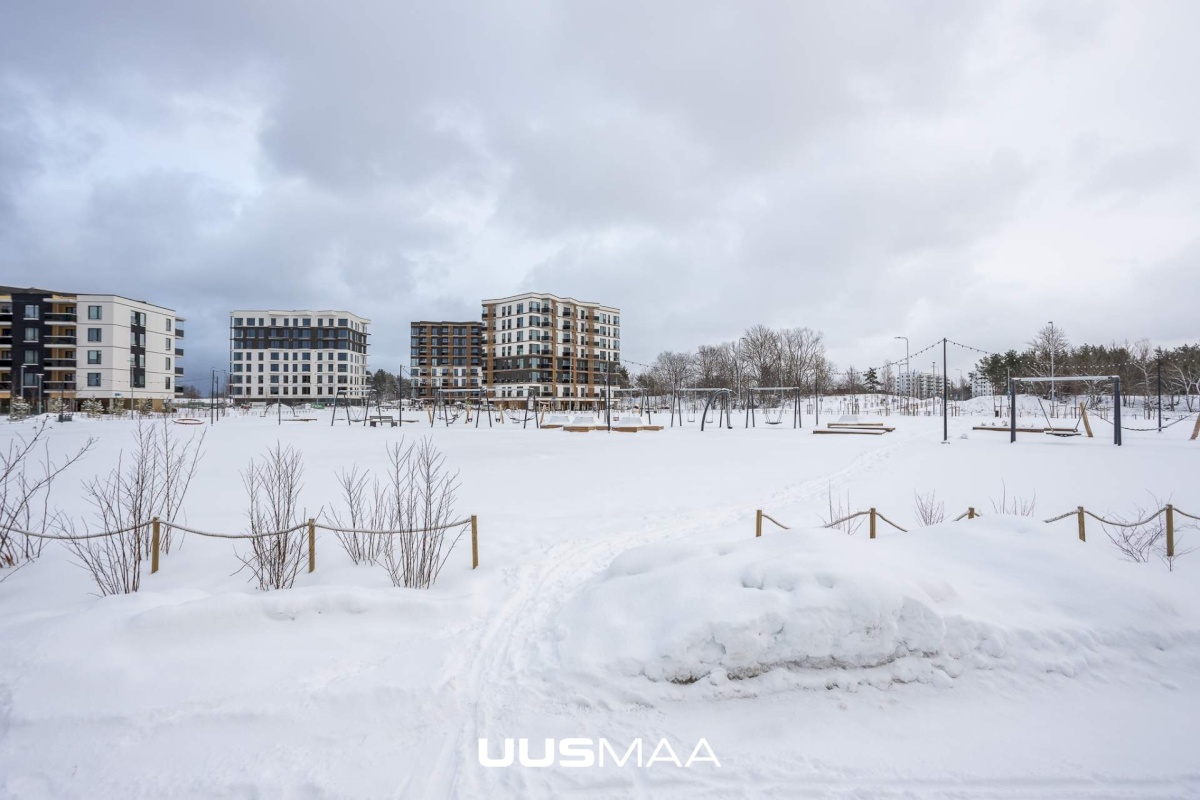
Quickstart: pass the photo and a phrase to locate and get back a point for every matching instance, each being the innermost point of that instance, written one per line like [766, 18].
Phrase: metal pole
[1012, 410]
[1053, 394]
[945, 397]
[1160, 394]
[1117, 410]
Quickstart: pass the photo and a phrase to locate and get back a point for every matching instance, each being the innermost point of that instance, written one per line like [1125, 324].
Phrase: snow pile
[819, 609]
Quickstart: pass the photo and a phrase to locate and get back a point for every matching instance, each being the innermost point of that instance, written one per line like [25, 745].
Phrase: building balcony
[179, 370]
[60, 317]
[178, 333]
[60, 338]
[60, 363]
[178, 352]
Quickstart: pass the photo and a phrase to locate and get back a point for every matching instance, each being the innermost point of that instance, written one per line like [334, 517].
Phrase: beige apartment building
[544, 346]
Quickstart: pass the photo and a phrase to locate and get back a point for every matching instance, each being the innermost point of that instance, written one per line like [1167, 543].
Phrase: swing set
[1050, 430]
[687, 402]
[773, 402]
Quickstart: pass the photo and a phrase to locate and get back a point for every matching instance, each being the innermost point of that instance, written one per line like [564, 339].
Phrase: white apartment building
[297, 356]
[918, 384]
[981, 386]
[544, 346]
[56, 345]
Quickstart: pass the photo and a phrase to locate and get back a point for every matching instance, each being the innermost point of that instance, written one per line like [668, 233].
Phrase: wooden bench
[380, 421]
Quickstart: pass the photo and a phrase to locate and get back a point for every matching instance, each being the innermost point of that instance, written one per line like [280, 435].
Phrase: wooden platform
[1008, 430]
[858, 431]
[856, 425]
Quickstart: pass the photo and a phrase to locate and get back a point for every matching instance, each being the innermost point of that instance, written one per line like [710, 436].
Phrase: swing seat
[1061, 433]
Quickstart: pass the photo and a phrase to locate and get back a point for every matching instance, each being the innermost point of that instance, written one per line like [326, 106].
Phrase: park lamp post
[907, 372]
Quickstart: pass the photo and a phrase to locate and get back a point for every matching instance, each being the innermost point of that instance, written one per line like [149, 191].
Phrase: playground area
[1000, 633]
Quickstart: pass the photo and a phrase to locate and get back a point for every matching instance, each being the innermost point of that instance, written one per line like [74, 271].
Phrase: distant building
[918, 384]
[445, 355]
[296, 356]
[544, 346]
[981, 386]
[75, 347]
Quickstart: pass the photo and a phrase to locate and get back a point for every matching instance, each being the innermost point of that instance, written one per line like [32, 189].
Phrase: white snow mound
[998, 594]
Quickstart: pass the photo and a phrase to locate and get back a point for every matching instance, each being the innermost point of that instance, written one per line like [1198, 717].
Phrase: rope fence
[1079, 513]
[156, 525]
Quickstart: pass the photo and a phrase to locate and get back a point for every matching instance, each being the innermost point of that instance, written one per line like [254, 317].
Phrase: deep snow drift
[828, 610]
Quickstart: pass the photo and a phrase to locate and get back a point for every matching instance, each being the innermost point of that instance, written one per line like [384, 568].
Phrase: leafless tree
[676, 369]
[929, 510]
[27, 473]
[278, 548]
[152, 481]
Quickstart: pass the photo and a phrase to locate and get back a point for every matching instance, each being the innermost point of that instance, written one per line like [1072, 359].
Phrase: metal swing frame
[784, 392]
[1012, 399]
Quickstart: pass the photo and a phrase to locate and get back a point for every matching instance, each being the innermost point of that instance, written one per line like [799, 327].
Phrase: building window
[93, 334]
[31, 334]
[93, 357]
[168, 325]
[32, 379]
[168, 383]
[31, 356]
[32, 311]
[93, 379]
[93, 312]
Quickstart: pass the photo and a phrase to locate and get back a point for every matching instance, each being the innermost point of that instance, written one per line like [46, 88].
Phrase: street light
[907, 373]
[1052, 392]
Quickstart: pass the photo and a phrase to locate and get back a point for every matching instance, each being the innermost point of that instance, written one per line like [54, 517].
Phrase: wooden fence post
[154, 541]
[971, 512]
[758, 523]
[1196, 430]
[474, 542]
[312, 545]
[1170, 531]
[1082, 532]
[872, 523]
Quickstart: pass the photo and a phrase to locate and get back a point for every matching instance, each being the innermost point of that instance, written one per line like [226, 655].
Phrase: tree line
[1137, 364]
[763, 356]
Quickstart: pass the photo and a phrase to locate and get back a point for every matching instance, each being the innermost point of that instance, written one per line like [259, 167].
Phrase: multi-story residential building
[58, 345]
[918, 384]
[296, 356]
[543, 346]
[445, 355]
[981, 386]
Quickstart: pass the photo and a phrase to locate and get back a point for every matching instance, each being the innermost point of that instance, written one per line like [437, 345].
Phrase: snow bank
[818, 609]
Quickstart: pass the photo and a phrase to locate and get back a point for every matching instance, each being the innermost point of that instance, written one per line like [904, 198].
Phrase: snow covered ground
[622, 596]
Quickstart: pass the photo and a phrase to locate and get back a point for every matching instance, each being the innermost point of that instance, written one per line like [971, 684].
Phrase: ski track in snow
[516, 635]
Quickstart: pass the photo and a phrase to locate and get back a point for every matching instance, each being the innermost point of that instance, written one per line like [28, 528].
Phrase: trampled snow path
[514, 673]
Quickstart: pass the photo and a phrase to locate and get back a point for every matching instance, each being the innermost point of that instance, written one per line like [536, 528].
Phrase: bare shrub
[152, 481]
[25, 483]
[1015, 506]
[1141, 541]
[278, 548]
[367, 508]
[414, 503]
[929, 510]
[838, 513]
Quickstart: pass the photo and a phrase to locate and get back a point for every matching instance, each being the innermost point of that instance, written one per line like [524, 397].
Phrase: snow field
[997, 657]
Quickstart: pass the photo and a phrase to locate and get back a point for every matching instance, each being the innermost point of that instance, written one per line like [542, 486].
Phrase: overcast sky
[868, 170]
